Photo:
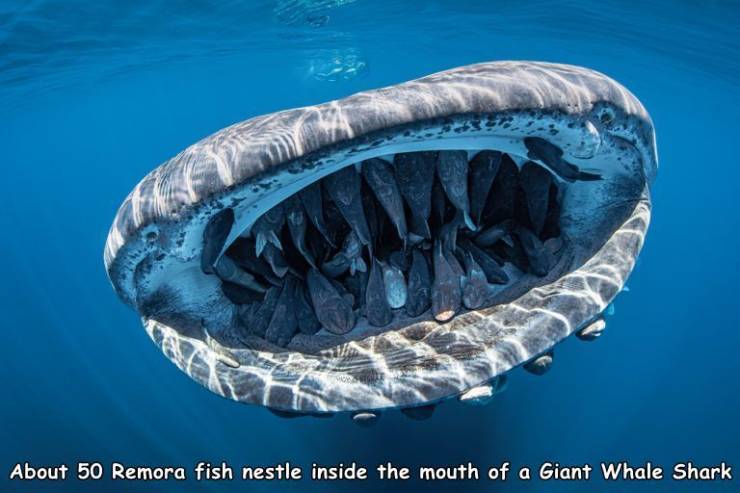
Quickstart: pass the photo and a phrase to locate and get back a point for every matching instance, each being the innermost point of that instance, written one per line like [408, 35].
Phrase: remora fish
[475, 286]
[494, 273]
[333, 311]
[239, 295]
[536, 182]
[452, 169]
[307, 322]
[379, 175]
[415, 174]
[343, 187]
[395, 285]
[539, 262]
[227, 270]
[483, 169]
[257, 320]
[297, 227]
[502, 200]
[313, 204]
[242, 251]
[275, 258]
[266, 228]
[419, 285]
[283, 323]
[490, 236]
[350, 258]
[550, 154]
[446, 295]
[439, 204]
[214, 237]
[377, 310]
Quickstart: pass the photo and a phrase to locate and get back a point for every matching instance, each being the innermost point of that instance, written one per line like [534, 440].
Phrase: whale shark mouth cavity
[395, 248]
[378, 245]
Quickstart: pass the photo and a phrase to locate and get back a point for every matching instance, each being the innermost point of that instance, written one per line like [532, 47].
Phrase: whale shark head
[394, 248]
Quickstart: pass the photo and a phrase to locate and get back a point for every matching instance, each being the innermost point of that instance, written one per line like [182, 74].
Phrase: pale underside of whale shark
[169, 250]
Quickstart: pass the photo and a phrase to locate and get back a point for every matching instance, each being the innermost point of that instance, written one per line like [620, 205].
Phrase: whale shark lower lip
[556, 277]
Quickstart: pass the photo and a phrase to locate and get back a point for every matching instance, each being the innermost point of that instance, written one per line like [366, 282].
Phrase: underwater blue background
[93, 95]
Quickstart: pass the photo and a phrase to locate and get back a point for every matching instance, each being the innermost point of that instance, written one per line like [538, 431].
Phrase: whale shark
[564, 206]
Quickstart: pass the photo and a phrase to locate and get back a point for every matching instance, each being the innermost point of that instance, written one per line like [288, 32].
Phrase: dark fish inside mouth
[361, 271]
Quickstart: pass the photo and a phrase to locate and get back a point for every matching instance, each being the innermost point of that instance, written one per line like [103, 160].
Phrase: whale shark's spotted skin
[153, 252]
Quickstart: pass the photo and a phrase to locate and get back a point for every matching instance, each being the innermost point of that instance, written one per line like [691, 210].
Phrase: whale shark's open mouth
[394, 248]
[375, 246]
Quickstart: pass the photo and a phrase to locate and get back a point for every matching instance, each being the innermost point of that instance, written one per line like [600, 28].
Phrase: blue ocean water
[95, 94]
